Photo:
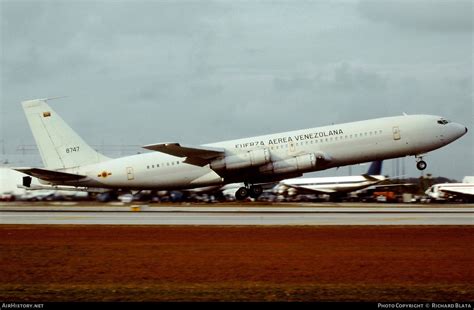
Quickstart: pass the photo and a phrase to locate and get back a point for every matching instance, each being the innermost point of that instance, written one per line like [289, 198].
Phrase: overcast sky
[204, 71]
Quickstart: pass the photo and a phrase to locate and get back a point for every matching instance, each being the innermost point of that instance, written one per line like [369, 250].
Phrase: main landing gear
[420, 163]
[254, 191]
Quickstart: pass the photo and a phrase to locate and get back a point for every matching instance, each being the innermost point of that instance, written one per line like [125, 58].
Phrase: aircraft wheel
[241, 193]
[421, 165]
[255, 191]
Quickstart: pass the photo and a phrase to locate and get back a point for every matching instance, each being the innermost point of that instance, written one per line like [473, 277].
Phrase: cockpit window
[443, 121]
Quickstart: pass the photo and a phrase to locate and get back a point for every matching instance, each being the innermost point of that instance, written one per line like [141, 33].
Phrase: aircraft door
[291, 148]
[396, 133]
[130, 175]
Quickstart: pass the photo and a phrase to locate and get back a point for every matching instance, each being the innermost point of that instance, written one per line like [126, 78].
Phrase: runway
[237, 216]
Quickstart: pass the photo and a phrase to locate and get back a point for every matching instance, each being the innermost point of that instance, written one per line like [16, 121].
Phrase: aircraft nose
[459, 130]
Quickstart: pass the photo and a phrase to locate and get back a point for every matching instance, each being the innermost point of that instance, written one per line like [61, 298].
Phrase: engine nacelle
[294, 164]
[248, 159]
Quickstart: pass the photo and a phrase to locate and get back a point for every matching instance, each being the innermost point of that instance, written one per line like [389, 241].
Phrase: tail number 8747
[72, 149]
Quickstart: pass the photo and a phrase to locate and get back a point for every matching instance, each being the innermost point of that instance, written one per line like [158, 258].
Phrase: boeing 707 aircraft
[69, 162]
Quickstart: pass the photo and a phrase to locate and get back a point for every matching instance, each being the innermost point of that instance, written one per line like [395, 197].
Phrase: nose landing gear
[420, 163]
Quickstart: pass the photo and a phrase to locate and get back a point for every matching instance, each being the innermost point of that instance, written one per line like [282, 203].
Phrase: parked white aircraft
[332, 185]
[69, 161]
[9, 188]
[447, 191]
[8, 184]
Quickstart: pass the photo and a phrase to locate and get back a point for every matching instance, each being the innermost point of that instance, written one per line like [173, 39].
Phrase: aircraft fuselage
[308, 150]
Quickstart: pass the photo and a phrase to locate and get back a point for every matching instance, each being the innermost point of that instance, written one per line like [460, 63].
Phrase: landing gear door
[396, 133]
[130, 175]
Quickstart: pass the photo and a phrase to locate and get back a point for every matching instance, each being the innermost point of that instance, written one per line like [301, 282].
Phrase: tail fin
[375, 168]
[60, 147]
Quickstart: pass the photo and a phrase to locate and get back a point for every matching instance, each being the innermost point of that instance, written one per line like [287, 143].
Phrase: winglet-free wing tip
[32, 101]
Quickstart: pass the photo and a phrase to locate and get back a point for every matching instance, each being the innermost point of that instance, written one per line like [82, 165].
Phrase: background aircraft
[9, 189]
[333, 186]
[452, 191]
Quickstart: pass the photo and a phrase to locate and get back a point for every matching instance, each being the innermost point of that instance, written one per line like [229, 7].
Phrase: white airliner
[9, 181]
[449, 191]
[332, 185]
[69, 161]
[10, 191]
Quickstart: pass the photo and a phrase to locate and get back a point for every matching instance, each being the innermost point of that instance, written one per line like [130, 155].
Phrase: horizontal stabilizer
[50, 175]
[369, 177]
[65, 188]
[195, 155]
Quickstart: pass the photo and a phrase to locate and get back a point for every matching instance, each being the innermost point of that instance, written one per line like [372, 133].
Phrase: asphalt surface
[225, 215]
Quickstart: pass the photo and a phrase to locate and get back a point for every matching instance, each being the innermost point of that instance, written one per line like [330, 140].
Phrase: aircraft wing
[199, 156]
[393, 185]
[304, 189]
[50, 175]
[318, 191]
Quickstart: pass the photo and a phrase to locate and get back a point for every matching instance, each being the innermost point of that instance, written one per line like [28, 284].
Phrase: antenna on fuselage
[53, 98]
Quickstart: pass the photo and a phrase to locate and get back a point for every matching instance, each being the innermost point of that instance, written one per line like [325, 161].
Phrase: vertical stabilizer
[60, 147]
[375, 168]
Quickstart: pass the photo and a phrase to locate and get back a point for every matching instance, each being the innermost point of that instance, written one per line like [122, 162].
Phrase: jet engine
[293, 164]
[247, 159]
